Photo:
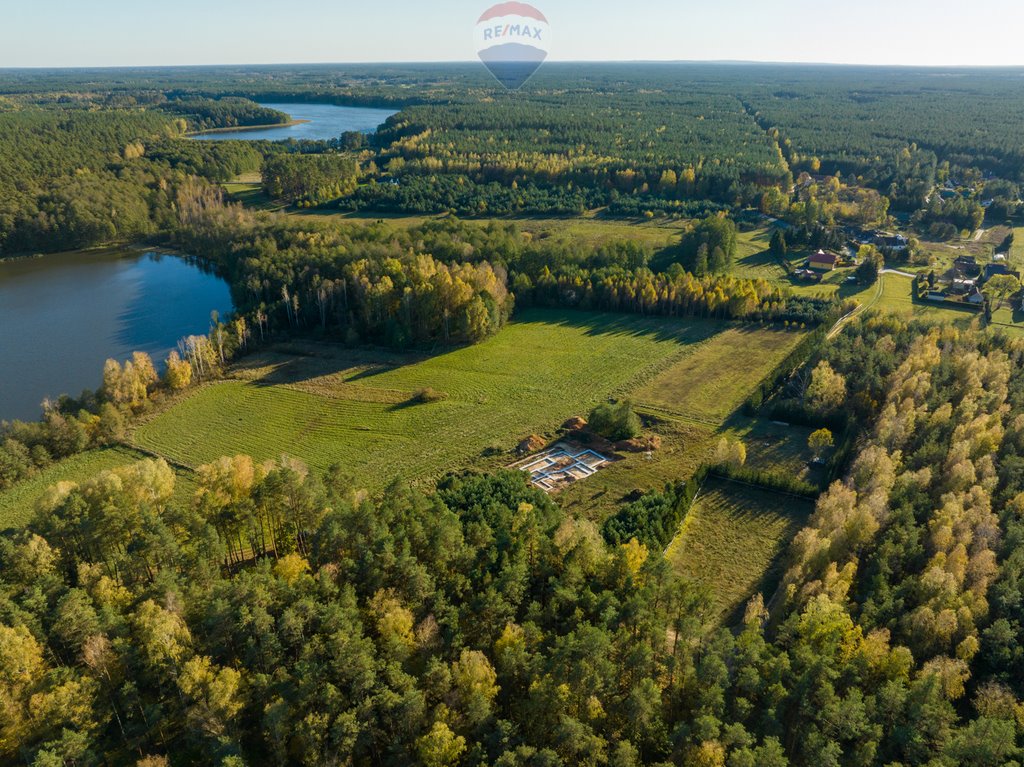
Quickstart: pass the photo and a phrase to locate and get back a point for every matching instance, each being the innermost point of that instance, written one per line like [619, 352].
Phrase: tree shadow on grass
[296, 364]
[771, 580]
[760, 260]
[684, 330]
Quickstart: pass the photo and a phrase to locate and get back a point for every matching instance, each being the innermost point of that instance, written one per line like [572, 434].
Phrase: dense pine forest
[694, 140]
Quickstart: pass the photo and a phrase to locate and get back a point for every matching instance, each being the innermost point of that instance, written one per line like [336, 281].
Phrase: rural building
[962, 287]
[968, 266]
[994, 269]
[891, 241]
[975, 298]
[823, 261]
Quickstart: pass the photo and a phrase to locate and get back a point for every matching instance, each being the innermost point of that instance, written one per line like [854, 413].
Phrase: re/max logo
[512, 30]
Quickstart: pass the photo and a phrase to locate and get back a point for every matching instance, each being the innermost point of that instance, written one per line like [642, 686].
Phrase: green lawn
[18, 503]
[734, 540]
[897, 297]
[711, 383]
[351, 407]
[753, 259]
[774, 446]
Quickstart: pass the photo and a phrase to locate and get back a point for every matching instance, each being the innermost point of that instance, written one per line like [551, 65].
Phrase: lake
[326, 121]
[62, 316]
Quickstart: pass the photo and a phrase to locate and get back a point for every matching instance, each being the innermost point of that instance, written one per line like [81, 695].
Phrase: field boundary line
[763, 488]
[675, 415]
[174, 464]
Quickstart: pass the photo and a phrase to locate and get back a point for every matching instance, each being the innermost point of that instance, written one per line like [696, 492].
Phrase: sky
[77, 33]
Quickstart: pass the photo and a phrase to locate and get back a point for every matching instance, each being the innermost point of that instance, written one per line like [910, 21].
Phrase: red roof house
[823, 261]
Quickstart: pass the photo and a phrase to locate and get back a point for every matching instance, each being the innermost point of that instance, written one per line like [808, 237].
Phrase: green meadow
[332, 405]
[733, 542]
[356, 408]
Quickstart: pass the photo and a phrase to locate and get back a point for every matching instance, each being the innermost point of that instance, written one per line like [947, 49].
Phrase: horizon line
[470, 62]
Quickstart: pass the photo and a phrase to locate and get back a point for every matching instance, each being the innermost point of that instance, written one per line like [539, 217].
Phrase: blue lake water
[63, 315]
[326, 121]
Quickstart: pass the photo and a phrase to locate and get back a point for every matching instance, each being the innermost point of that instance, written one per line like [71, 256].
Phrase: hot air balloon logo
[513, 40]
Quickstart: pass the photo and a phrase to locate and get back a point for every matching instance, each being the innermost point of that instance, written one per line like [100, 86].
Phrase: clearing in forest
[733, 541]
[326, 404]
[360, 409]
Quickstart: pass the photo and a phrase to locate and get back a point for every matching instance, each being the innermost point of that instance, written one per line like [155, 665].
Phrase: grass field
[18, 503]
[753, 259]
[688, 405]
[353, 407]
[713, 381]
[657, 233]
[733, 541]
[328, 404]
[1008, 319]
[251, 195]
[897, 298]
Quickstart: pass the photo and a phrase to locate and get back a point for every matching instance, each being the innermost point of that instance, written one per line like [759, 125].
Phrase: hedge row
[654, 519]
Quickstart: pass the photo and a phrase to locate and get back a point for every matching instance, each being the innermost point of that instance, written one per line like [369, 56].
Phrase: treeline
[309, 180]
[673, 293]
[462, 196]
[203, 114]
[448, 281]
[654, 519]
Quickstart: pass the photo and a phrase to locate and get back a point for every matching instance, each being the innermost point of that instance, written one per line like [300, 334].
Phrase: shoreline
[239, 129]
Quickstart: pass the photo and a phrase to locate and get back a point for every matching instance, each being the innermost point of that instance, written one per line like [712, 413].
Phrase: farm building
[823, 261]
[998, 268]
[891, 241]
[967, 265]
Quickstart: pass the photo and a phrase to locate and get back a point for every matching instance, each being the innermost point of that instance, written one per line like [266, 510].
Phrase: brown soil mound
[531, 444]
[640, 444]
[575, 424]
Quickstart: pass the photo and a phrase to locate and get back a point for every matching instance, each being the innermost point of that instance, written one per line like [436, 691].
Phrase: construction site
[561, 465]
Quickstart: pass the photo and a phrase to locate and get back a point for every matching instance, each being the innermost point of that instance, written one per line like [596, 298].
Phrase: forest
[481, 624]
[696, 139]
[450, 280]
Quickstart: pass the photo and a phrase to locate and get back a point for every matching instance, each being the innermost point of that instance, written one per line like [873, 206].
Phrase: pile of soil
[531, 444]
[575, 424]
[640, 444]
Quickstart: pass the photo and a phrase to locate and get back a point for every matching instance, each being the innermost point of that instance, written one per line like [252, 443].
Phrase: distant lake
[326, 121]
[62, 316]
